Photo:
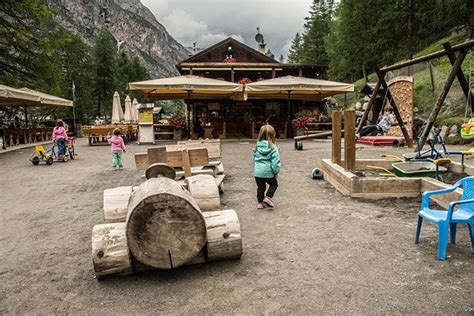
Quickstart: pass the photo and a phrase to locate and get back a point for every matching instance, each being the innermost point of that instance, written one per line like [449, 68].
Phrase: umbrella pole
[188, 110]
[26, 117]
[289, 114]
[74, 108]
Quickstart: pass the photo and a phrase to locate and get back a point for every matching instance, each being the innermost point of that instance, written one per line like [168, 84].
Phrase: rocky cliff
[133, 25]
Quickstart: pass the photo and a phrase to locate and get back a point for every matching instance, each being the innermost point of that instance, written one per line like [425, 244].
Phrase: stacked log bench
[163, 228]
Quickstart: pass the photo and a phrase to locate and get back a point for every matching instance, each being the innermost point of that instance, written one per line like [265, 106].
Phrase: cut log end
[110, 254]
[165, 227]
[157, 170]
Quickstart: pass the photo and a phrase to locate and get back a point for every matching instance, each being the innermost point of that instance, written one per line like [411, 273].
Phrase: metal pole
[74, 108]
[26, 116]
[288, 124]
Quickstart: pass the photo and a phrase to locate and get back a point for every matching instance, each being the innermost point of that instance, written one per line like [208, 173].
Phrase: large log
[165, 227]
[116, 204]
[224, 239]
[205, 192]
[110, 255]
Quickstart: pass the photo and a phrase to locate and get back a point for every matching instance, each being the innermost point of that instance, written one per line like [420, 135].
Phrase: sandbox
[350, 184]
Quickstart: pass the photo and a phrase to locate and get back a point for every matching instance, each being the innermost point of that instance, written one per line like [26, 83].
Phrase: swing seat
[467, 130]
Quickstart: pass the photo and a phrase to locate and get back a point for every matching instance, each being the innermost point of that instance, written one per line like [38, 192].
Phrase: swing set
[467, 130]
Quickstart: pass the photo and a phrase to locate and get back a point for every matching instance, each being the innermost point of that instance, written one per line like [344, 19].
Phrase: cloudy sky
[208, 22]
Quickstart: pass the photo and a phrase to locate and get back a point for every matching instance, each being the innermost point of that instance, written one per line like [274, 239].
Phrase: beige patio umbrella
[26, 97]
[135, 110]
[186, 87]
[117, 112]
[128, 116]
[297, 88]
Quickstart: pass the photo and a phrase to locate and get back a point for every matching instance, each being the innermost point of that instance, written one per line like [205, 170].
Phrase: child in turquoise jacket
[267, 165]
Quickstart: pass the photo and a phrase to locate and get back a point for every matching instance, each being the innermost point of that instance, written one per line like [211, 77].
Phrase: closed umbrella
[187, 87]
[128, 117]
[135, 110]
[117, 112]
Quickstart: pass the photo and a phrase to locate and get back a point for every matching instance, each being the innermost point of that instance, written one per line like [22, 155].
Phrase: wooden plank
[465, 45]
[440, 100]
[460, 75]
[337, 176]
[312, 136]
[349, 140]
[157, 154]
[198, 157]
[336, 137]
[186, 163]
[141, 161]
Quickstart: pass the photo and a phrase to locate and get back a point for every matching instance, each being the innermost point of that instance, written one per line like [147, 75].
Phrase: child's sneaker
[260, 206]
[268, 201]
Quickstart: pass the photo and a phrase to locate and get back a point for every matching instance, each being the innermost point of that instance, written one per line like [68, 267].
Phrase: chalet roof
[259, 57]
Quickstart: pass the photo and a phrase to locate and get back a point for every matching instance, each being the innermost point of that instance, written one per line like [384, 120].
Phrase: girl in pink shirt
[60, 136]
[117, 146]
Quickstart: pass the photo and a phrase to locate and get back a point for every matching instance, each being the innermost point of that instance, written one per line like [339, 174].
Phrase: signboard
[145, 115]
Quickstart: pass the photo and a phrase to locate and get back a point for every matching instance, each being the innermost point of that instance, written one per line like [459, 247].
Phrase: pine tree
[317, 28]
[294, 54]
[105, 61]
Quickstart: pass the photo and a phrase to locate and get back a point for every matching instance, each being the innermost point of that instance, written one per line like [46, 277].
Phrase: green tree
[294, 54]
[21, 25]
[317, 28]
[105, 62]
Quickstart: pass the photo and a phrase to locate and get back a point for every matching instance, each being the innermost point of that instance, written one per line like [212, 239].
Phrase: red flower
[300, 122]
[245, 80]
[177, 122]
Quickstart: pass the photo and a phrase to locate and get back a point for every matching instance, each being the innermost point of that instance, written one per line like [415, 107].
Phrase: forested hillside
[351, 37]
[40, 50]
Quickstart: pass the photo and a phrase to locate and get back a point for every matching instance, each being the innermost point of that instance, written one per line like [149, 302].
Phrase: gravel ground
[316, 252]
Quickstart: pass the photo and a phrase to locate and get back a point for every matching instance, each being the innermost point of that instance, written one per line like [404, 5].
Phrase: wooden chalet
[234, 61]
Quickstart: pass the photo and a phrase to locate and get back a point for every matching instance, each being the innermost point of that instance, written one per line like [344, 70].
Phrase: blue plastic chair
[448, 220]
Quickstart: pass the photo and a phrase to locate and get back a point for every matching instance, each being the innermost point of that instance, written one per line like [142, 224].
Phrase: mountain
[133, 26]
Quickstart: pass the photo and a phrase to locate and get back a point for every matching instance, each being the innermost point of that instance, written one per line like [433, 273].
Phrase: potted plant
[300, 123]
[178, 123]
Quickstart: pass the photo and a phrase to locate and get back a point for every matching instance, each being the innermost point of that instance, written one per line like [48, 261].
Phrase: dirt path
[317, 252]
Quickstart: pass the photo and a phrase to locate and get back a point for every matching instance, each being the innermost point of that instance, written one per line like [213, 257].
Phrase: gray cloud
[208, 22]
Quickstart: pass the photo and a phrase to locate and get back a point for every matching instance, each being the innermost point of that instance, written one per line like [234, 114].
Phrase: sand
[316, 252]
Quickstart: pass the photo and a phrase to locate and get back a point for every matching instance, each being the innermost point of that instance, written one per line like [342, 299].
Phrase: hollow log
[116, 204]
[110, 255]
[165, 226]
[205, 192]
[160, 170]
[224, 239]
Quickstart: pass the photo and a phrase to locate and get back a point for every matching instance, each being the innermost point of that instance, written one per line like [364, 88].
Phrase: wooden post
[439, 102]
[186, 163]
[369, 106]
[381, 76]
[300, 72]
[349, 140]
[433, 84]
[460, 75]
[232, 75]
[273, 73]
[336, 137]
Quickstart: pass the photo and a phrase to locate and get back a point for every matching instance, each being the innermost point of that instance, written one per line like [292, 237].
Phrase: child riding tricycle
[61, 150]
